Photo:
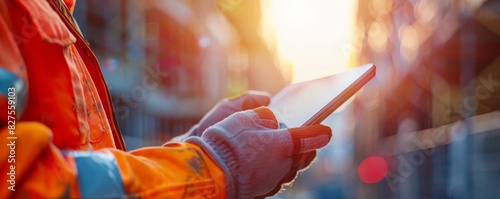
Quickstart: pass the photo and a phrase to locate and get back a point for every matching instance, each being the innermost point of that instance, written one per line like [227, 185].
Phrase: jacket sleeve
[35, 168]
[31, 166]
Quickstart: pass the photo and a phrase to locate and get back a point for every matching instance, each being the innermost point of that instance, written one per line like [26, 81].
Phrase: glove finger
[268, 118]
[309, 138]
[300, 162]
[250, 100]
[225, 108]
[303, 160]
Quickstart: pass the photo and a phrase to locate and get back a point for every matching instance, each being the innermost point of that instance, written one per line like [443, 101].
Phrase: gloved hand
[255, 155]
[226, 107]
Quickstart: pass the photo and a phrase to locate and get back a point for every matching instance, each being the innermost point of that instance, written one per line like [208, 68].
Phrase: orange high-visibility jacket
[65, 142]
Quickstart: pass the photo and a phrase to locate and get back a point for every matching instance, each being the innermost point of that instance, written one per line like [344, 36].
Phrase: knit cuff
[223, 157]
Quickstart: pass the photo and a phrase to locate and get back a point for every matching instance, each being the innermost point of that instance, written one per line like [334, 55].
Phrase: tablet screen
[299, 102]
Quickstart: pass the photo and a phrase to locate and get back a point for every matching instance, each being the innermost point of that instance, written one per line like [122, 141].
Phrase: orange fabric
[173, 171]
[69, 109]
[46, 173]
[70, 4]
[186, 171]
[78, 111]
[10, 58]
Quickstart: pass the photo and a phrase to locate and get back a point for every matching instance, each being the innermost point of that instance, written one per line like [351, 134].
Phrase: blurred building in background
[432, 112]
[168, 62]
[438, 64]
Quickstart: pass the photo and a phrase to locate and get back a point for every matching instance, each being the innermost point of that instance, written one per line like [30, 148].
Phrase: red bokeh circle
[372, 169]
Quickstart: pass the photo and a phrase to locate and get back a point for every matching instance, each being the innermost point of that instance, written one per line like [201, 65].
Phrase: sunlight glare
[313, 35]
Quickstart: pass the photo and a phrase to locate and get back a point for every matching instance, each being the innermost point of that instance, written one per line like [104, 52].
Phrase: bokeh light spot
[372, 169]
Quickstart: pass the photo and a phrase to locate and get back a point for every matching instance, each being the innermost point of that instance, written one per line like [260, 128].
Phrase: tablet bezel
[342, 97]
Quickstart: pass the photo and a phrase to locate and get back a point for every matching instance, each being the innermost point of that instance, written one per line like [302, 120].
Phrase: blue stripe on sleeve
[98, 174]
[9, 80]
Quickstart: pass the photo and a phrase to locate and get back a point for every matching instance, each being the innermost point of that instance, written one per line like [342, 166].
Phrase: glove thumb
[251, 100]
[309, 138]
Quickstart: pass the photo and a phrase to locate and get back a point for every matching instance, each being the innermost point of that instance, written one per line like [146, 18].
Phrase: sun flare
[314, 35]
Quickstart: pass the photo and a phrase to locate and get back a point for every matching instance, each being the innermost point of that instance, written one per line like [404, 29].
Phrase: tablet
[310, 102]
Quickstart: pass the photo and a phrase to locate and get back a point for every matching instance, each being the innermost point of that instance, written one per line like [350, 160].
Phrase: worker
[60, 138]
